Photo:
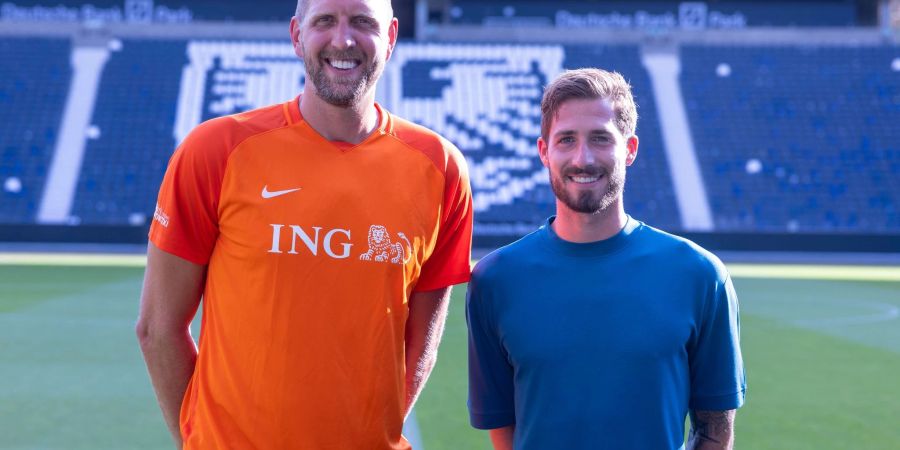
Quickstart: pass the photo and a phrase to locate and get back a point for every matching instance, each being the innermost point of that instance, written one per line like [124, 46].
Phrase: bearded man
[265, 215]
[597, 330]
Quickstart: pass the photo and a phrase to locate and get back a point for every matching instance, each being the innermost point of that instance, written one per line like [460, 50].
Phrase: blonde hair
[590, 84]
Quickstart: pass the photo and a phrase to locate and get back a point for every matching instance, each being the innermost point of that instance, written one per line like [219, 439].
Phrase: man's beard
[589, 201]
[343, 92]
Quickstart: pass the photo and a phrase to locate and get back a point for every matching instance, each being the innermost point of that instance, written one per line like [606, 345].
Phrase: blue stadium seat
[34, 81]
[797, 139]
[135, 114]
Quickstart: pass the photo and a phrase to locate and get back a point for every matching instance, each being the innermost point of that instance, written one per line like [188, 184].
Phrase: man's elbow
[151, 336]
[145, 334]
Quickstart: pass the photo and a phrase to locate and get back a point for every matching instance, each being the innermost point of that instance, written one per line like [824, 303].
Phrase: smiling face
[586, 155]
[344, 45]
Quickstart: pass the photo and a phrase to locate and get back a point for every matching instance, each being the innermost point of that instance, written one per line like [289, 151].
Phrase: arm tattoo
[711, 430]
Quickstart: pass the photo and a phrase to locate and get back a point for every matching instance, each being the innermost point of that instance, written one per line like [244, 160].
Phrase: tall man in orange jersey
[323, 235]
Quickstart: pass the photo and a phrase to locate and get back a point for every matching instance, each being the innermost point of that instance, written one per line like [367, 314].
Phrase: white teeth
[341, 64]
[585, 179]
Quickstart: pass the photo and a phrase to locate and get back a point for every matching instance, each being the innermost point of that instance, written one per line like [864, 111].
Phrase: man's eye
[566, 140]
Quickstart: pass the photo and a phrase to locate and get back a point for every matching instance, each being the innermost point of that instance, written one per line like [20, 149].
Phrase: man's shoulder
[678, 250]
[440, 150]
[418, 136]
[247, 123]
[224, 133]
[511, 259]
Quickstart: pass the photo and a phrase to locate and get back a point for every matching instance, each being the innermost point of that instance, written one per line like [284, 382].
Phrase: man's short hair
[303, 4]
[589, 84]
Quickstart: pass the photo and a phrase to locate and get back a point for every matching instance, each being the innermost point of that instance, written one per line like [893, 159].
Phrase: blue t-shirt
[603, 345]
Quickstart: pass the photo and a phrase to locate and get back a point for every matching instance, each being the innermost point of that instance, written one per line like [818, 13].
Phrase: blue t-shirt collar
[589, 249]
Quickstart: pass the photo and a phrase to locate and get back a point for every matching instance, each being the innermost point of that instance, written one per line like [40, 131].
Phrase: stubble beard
[590, 202]
[344, 91]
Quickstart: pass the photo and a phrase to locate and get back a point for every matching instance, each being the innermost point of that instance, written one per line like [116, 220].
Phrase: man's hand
[711, 430]
[169, 301]
[424, 327]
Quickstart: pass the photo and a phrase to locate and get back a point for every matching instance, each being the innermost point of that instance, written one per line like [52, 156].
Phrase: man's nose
[584, 156]
[343, 36]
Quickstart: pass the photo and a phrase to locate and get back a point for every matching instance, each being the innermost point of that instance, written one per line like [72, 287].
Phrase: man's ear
[543, 150]
[295, 37]
[631, 146]
[393, 32]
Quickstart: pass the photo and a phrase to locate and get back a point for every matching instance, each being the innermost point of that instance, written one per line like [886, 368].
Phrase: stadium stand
[34, 81]
[790, 138]
[486, 99]
[135, 115]
[797, 139]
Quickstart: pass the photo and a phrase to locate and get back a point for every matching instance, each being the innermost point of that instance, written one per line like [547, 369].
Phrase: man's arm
[169, 300]
[502, 438]
[711, 430]
[424, 327]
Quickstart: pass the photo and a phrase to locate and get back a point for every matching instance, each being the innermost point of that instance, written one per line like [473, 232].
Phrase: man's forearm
[169, 301]
[424, 327]
[711, 430]
[502, 438]
[170, 362]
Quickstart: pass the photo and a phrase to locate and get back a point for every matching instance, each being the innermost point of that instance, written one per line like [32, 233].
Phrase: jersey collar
[590, 249]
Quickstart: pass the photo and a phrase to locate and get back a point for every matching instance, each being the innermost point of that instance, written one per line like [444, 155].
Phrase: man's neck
[352, 124]
[580, 227]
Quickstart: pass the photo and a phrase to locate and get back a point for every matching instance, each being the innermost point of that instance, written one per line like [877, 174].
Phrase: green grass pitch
[821, 346]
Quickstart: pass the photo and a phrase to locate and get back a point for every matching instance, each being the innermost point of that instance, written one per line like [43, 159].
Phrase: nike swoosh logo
[266, 193]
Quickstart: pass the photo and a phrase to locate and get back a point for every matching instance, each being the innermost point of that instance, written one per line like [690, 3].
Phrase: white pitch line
[72, 259]
[816, 272]
[411, 431]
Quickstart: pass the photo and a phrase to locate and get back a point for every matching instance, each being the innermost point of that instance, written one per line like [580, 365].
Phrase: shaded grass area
[441, 409]
[71, 375]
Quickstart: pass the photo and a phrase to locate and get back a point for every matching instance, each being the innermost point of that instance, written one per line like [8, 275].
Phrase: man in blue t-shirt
[597, 331]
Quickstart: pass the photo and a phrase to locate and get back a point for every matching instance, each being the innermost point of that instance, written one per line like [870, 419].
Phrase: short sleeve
[449, 263]
[491, 388]
[185, 222]
[717, 369]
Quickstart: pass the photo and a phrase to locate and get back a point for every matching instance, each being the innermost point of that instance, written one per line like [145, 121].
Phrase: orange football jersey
[313, 250]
